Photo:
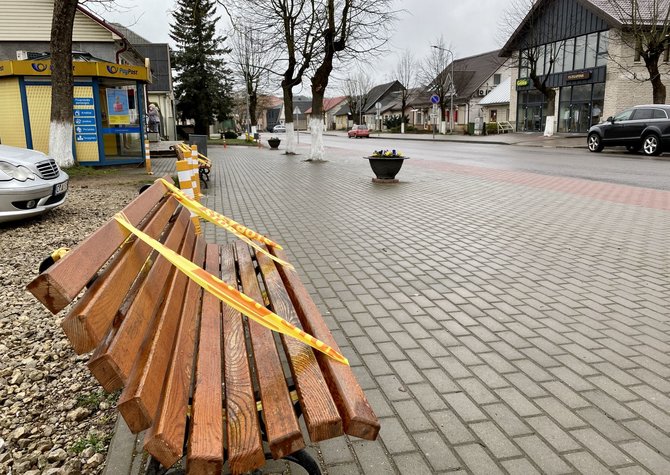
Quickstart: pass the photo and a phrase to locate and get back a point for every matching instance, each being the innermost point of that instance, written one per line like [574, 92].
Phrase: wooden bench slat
[165, 438]
[113, 359]
[90, 318]
[358, 417]
[140, 398]
[283, 431]
[205, 445]
[321, 416]
[60, 284]
[245, 447]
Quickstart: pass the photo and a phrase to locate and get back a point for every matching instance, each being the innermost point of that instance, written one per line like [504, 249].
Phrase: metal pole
[451, 106]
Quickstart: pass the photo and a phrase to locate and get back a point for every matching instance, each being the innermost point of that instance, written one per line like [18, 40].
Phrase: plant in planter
[385, 165]
[274, 142]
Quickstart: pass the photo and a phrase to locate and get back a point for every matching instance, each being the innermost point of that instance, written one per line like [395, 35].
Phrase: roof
[130, 35]
[329, 103]
[499, 95]
[615, 13]
[378, 92]
[471, 72]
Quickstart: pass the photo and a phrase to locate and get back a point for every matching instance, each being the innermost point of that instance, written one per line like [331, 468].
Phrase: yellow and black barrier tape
[231, 296]
[245, 234]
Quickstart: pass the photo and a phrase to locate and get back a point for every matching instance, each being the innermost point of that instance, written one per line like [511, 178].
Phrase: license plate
[60, 188]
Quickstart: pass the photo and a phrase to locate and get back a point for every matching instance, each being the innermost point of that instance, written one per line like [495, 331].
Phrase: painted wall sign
[581, 75]
[118, 110]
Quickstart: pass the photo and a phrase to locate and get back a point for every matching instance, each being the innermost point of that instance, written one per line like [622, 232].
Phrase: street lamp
[451, 88]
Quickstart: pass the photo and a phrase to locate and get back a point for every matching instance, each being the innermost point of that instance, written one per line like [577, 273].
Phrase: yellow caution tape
[242, 232]
[59, 253]
[231, 296]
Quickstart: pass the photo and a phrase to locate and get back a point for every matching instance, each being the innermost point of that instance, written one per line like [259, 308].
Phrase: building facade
[577, 50]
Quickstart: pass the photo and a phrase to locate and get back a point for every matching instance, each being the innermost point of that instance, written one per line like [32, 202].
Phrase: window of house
[496, 79]
[539, 64]
[591, 50]
[580, 50]
[493, 115]
[558, 55]
[523, 64]
[603, 43]
[569, 54]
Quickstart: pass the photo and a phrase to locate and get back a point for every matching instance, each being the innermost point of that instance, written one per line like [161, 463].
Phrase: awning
[499, 95]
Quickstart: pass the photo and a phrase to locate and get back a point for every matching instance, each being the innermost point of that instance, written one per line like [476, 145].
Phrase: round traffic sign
[434, 99]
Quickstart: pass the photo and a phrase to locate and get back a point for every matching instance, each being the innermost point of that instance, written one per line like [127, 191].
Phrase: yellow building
[108, 108]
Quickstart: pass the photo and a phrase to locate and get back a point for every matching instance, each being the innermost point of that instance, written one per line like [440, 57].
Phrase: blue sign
[82, 101]
[86, 129]
[86, 138]
[435, 99]
[84, 113]
[121, 130]
[118, 106]
[84, 121]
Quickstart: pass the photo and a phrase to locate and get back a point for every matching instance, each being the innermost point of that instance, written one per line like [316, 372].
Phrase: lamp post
[451, 88]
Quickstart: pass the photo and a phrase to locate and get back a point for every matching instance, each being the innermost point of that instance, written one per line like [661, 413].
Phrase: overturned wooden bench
[205, 382]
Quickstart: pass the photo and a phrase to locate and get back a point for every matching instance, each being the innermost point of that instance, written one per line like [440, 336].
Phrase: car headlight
[15, 172]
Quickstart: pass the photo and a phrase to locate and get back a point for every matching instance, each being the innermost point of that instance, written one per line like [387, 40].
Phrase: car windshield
[362, 127]
[625, 115]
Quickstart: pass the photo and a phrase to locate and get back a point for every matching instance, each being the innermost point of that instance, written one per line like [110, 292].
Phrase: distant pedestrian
[154, 118]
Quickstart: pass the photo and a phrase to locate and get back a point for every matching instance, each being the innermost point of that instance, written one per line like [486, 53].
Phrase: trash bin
[471, 128]
[200, 141]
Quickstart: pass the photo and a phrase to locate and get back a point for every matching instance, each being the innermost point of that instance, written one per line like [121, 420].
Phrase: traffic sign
[378, 105]
[434, 99]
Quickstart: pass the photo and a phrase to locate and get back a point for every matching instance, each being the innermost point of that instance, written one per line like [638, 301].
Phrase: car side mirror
[610, 119]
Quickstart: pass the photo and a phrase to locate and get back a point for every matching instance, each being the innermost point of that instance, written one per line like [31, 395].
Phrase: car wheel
[595, 143]
[651, 145]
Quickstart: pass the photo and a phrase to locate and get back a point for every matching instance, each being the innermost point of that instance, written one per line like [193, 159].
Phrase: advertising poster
[117, 106]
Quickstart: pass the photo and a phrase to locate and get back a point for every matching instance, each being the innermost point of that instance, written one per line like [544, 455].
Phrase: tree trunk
[253, 105]
[288, 118]
[658, 88]
[62, 82]
[319, 84]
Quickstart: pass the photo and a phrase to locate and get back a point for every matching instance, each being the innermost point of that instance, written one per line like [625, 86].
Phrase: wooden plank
[281, 425]
[358, 417]
[165, 438]
[205, 445]
[113, 359]
[59, 285]
[140, 398]
[321, 416]
[245, 448]
[90, 318]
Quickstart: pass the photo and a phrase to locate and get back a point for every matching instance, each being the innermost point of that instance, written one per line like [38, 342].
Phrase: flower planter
[385, 168]
[274, 143]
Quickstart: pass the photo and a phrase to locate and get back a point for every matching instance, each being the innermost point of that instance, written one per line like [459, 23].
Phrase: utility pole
[451, 88]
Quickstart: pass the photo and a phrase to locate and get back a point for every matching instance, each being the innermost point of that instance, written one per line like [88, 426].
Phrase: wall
[621, 90]
[12, 130]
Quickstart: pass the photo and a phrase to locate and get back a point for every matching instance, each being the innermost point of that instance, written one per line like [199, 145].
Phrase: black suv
[641, 127]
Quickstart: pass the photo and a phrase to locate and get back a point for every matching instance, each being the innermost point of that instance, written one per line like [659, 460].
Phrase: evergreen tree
[202, 91]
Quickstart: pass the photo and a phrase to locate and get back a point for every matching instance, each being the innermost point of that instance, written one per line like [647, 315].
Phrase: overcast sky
[469, 27]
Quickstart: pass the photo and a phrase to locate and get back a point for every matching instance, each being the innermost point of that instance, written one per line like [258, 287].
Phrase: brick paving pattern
[500, 321]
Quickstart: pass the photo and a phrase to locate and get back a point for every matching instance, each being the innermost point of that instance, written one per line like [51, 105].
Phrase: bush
[491, 128]
[229, 134]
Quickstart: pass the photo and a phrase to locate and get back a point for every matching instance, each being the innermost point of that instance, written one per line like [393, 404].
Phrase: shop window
[120, 120]
[559, 51]
[581, 93]
[539, 63]
[603, 44]
[591, 50]
[599, 91]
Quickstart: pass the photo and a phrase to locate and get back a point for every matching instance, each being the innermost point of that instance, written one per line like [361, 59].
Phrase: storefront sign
[85, 129]
[82, 101]
[84, 121]
[117, 106]
[582, 75]
[79, 68]
[522, 82]
[84, 113]
[86, 138]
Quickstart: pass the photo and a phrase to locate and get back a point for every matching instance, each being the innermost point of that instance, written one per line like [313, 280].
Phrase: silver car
[30, 183]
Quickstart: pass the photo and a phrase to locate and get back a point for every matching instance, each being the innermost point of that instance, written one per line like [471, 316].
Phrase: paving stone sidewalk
[500, 322]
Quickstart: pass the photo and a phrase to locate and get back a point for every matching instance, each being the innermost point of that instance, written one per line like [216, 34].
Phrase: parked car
[279, 129]
[30, 183]
[645, 127]
[359, 131]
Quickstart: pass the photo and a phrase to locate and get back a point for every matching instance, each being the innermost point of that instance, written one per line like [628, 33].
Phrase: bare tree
[252, 60]
[62, 82]
[405, 74]
[435, 72]
[645, 31]
[353, 27]
[357, 88]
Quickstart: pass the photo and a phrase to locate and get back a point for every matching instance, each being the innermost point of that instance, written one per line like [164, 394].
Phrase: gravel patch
[54, 417]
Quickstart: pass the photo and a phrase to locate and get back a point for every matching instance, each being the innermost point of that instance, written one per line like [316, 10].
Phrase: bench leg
[305, 460]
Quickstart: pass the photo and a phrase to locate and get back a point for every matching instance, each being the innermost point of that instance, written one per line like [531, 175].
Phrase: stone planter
[274, 143]
[385, 169]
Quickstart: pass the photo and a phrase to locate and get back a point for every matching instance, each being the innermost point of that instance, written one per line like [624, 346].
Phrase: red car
[359, 131]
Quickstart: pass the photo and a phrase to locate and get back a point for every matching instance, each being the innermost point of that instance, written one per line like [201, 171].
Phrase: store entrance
[531, 113]
[580, 107]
